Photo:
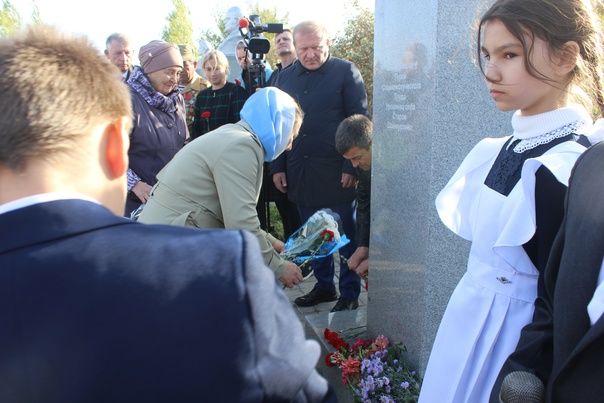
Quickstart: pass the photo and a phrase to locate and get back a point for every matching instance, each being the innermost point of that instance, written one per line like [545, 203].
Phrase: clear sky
[144, 20]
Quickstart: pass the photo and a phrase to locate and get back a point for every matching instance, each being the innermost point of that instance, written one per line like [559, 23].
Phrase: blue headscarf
[271, 113]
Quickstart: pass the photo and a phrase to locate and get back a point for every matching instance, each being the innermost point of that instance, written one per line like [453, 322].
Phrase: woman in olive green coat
[215, 181]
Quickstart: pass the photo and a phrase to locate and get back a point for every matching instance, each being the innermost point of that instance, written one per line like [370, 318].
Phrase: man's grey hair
[117, 37]
[306, 27]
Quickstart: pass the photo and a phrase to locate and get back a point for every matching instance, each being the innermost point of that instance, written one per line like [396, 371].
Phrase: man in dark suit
[97, 308]
[564, 345]
[353, 140]
[313, 174]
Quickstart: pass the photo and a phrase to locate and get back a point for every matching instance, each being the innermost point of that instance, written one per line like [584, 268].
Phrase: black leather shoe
[344, 304]
[316, 296]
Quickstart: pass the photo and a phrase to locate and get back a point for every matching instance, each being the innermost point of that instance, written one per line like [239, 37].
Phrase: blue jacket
[97, 308]
[327, 96]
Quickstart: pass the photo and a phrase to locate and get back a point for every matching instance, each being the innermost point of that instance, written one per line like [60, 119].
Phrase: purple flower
[405, 385]
[378, 369]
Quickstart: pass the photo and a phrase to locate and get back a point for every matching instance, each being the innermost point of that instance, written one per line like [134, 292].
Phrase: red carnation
[361, 343]
[351, 367]
[336, 341]
[237, 82]
[327, 234]
[328, 360]
[206, 114]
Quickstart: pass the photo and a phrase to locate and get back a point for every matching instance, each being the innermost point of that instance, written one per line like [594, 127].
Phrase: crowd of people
[301, 179]
[100, 307]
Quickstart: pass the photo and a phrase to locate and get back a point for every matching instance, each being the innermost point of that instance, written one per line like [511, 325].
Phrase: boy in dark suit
[97, 308]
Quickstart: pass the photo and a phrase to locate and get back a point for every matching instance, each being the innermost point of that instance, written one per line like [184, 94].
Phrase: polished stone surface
[430, 108]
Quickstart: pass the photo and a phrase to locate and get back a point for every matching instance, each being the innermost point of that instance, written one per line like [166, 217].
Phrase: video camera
[250, 29]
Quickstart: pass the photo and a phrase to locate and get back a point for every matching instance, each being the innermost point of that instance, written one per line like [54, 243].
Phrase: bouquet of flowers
[373, 369]
[318, 237]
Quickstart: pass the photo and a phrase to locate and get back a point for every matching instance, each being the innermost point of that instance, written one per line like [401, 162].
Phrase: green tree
[355, 43]
[215, 36]
[179, 28]
[10, 20]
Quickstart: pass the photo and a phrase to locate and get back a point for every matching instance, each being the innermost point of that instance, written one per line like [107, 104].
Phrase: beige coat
[214, 182]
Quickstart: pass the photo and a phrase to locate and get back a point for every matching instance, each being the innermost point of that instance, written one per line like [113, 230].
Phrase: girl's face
[216, 74]
[508, 81]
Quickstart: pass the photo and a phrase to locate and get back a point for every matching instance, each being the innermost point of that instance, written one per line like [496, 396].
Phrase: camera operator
[253, 76]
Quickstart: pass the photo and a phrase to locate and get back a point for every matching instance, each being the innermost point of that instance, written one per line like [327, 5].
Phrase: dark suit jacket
[96, 308]
[560, 346]
[327, 96]
[363, 207]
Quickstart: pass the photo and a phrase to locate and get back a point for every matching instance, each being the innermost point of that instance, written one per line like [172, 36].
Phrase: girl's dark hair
[556, 22]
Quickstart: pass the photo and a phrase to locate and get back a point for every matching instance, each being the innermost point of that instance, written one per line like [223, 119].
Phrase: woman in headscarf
[215, 181]
[159, 125]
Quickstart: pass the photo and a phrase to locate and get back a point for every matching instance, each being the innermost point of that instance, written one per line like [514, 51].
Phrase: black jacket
[327, 96]
[560, 346]
[363, 207]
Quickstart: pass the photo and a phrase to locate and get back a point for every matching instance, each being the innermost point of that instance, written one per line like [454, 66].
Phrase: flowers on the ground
[373, 369]
[318, 237]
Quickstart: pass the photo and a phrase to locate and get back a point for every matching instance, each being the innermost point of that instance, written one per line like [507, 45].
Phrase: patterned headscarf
[140, 83]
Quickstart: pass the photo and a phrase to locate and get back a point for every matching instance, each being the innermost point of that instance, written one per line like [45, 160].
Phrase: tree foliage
[179, 28]
[217, 35]
[10, 20]
[355, 43]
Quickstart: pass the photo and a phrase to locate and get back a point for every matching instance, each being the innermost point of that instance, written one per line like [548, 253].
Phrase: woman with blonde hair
[220, 104]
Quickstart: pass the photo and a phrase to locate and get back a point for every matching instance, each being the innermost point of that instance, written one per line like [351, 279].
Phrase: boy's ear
[115, 148]
[567, 57]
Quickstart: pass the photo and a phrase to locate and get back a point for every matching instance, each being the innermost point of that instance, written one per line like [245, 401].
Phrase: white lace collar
[530, 126]
[542, 128]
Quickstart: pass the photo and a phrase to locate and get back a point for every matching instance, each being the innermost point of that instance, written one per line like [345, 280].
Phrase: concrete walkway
[306, 286]
[351, 325]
